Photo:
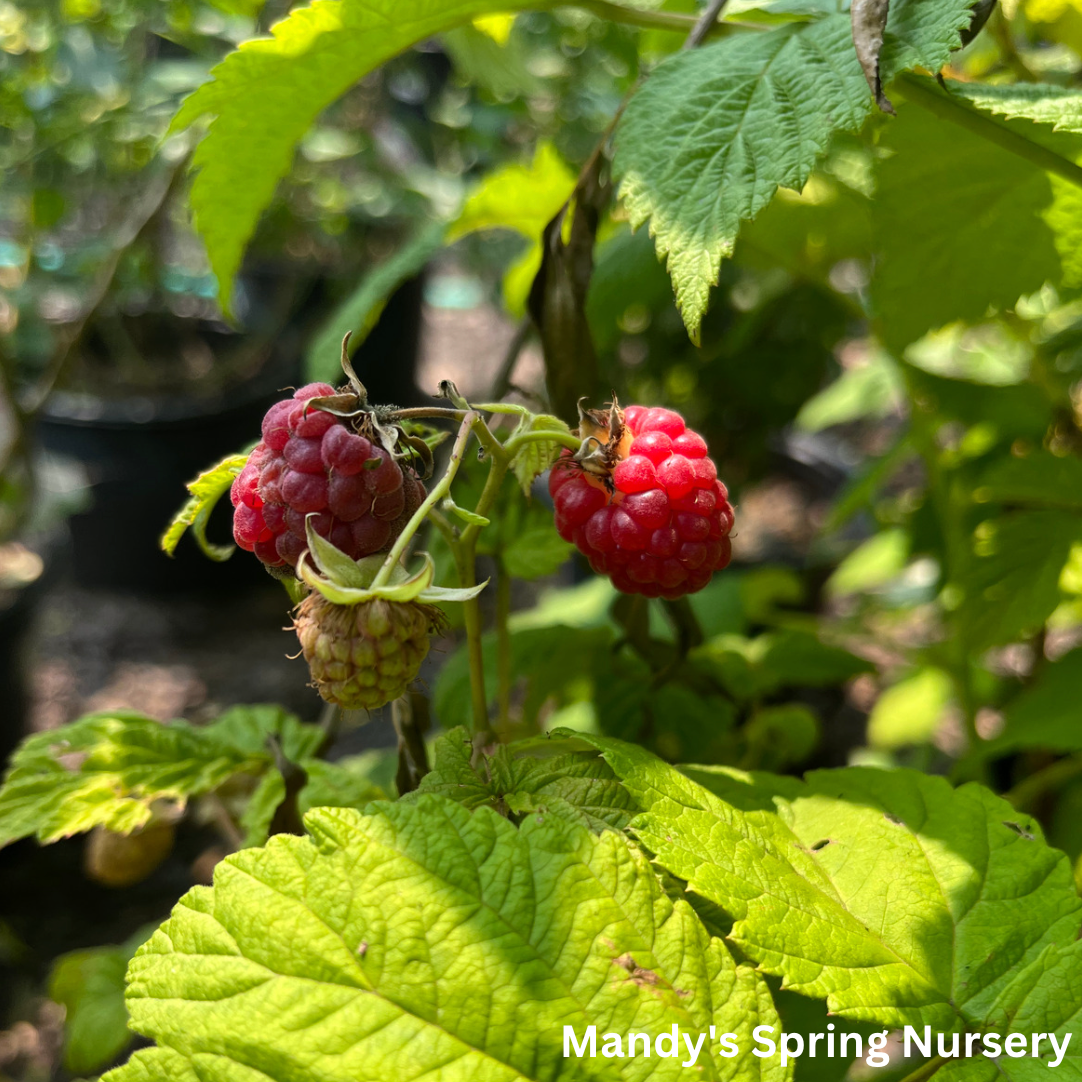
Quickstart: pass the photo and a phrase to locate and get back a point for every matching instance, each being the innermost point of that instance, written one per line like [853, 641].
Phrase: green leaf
[749, 668]
[892, 896]
[715, 131]
[1012, 585]
[246, 728]
[500, 67]
[871, 390]
[362, 308]
[781, 736]
[1041, 479]
[533, 457]
[268, 92]
[871, 564]
[910, 711]
[939, 193]
[420, 940]
[89, 984]
[206, 490]
[124, 763]
[1045, 715]
[1057, 106]
[579, 786]
[535, 552]
[522, 198]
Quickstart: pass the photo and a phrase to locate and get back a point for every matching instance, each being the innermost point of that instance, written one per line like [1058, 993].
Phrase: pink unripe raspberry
[312, 462]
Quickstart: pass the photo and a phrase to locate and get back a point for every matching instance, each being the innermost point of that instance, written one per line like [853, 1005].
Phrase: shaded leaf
[109, 769]
[1012, 585]
[926, 276]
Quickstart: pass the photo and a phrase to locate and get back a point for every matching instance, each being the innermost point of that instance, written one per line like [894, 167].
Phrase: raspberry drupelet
[312, 461]
[646, 508]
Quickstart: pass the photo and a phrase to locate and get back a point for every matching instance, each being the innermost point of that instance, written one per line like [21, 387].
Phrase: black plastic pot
[140, 451]
[139, 454]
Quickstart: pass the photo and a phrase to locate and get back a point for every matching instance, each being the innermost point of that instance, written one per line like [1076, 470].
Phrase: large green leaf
[422, 940]
[946, 193]
[892, 896]
[267, 93]
[109, 769]
[716, 131]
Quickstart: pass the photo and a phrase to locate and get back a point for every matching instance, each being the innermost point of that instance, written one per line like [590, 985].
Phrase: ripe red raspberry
[649, 512]
[364, 655]
[310, 461]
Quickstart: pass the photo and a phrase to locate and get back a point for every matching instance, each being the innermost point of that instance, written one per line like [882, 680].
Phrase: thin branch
[1026, 793]
[438, 491]
[705, 24]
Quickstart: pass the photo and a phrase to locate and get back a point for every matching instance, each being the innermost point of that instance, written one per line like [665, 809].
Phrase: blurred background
[906, 586]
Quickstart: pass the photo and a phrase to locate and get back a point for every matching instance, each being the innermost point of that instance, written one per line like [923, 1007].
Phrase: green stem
[439, 490]
[1028, 790]
[503, 646]
[925, 1070]
[471, 612]
[568, 439]
[435, 413]
[949, 498]
[947, 107]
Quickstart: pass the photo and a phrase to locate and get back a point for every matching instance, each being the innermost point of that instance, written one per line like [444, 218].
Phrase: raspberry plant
[549, 868]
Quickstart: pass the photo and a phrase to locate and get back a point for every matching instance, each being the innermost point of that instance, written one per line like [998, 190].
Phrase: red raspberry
[658, 523]
[311, 461]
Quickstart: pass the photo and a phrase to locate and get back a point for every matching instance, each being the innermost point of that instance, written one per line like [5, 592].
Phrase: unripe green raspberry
[364, 655]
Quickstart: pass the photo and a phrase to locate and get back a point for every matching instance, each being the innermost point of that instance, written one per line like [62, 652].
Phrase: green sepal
[349, 582]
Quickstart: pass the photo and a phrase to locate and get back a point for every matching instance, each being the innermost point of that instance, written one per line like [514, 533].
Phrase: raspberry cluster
[311, 461]
[657, 523]
[364, 655]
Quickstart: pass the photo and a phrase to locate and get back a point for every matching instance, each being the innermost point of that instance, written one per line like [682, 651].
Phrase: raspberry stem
[566, 439]
[435, 495]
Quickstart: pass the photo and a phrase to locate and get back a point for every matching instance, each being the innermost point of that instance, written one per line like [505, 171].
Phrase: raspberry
[649, 512]
[310, 461]
[364, 655]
